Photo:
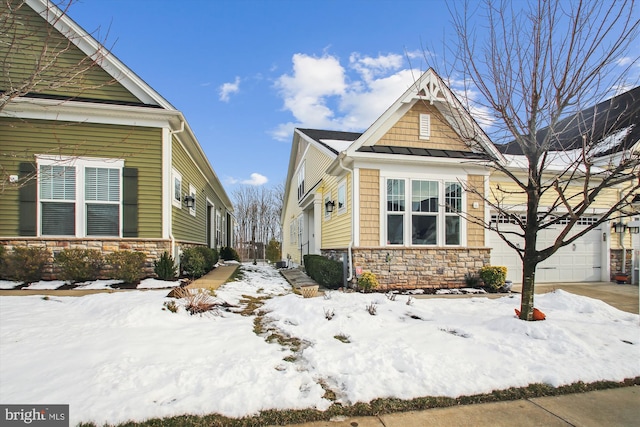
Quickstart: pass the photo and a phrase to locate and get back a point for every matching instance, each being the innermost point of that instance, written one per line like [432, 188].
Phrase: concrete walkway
[297, 277]
[215, 278]
[615, 407]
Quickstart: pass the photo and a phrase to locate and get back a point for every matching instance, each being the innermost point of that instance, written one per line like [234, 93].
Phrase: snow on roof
[561, 160]
[337, 144]
[612, 140]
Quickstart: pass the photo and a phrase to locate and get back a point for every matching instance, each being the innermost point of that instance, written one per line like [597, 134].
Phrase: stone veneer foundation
[424, 268]
[153, 248]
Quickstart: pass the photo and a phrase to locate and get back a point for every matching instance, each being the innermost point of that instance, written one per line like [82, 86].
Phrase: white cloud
[364, 103]
[468, 95]
[321, 93]
[256, 179]
[228, 88]
[624, 61]
[369, 67]
[283, 131]
[230, 180]
[306, 91]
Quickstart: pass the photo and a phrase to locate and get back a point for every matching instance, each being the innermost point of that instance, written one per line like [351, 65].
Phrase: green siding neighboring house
[102, 161]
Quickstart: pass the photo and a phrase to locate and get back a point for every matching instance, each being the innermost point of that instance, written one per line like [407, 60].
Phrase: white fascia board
[91, 47]
[212, 178]
[89, 112]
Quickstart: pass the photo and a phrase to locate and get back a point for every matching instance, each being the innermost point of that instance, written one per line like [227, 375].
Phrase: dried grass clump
[198, 301]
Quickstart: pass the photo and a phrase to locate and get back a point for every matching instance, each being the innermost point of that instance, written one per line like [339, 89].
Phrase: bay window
[423, 212]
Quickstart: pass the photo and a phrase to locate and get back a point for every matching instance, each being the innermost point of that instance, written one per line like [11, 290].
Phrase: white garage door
[577, 262]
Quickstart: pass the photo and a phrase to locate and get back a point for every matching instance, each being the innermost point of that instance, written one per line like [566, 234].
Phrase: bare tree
[257, 211]
[37, 59]
[534, 67]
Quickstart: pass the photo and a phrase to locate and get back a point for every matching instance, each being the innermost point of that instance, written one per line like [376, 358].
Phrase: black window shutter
[28, 198]
[130, 202]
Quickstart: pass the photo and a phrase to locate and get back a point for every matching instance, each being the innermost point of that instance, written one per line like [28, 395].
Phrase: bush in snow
[326, 272]
[193, 263]
[79, 265]
[471, 280]
[493, 277]
[25, 264]
[165, 268]
[368, 281]
[210, 257]
[127, 266]
[227, 253]
[196, 302]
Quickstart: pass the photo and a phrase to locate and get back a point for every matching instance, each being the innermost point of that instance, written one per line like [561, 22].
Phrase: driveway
[622, 297]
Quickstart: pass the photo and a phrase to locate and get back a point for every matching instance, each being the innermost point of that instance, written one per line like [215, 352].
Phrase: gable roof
[429, 87]
[91, 47]
[334, 141]
[613, 125]
[154, 105]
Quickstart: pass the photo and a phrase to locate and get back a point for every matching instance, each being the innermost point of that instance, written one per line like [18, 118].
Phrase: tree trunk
[528, 285]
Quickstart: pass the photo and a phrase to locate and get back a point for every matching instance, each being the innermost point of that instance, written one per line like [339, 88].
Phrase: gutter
[171, 237]
[340, 158]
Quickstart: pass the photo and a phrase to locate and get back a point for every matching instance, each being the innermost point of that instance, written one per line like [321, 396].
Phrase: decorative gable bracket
[428, 89]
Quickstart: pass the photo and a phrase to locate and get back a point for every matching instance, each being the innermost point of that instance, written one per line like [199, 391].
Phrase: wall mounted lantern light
[189, 201]
[329, 206]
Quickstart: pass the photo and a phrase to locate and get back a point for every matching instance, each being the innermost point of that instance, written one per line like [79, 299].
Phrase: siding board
[140, 147]
[23, 46]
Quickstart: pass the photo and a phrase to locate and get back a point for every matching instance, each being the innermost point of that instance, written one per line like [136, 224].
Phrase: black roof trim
[423, 152]
[317, 135]
[92, 100]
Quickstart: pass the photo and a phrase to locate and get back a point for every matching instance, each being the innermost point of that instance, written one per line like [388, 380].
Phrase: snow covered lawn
[120, 356]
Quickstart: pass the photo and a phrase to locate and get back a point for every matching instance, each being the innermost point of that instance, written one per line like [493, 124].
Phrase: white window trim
[193, 193]
[80, 163]
[218, 228]
[301, 180]
[441, 214]
[342, 209]
[175, 174]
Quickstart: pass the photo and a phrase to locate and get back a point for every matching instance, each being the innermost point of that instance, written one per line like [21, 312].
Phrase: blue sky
[246, 72]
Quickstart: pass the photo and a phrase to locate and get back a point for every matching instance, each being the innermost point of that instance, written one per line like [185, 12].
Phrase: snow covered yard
[120, 356]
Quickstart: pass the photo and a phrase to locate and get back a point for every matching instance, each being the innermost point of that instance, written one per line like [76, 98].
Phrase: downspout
[340, 158]
[171, 238]
[621, 235]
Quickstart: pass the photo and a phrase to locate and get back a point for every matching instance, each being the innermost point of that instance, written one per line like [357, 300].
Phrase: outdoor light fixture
[329, 206]
[619, 227]
[189, 201]
[633, 228]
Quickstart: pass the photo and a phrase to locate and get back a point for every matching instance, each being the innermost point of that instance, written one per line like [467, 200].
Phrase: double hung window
[58, 200]
[80, 197]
